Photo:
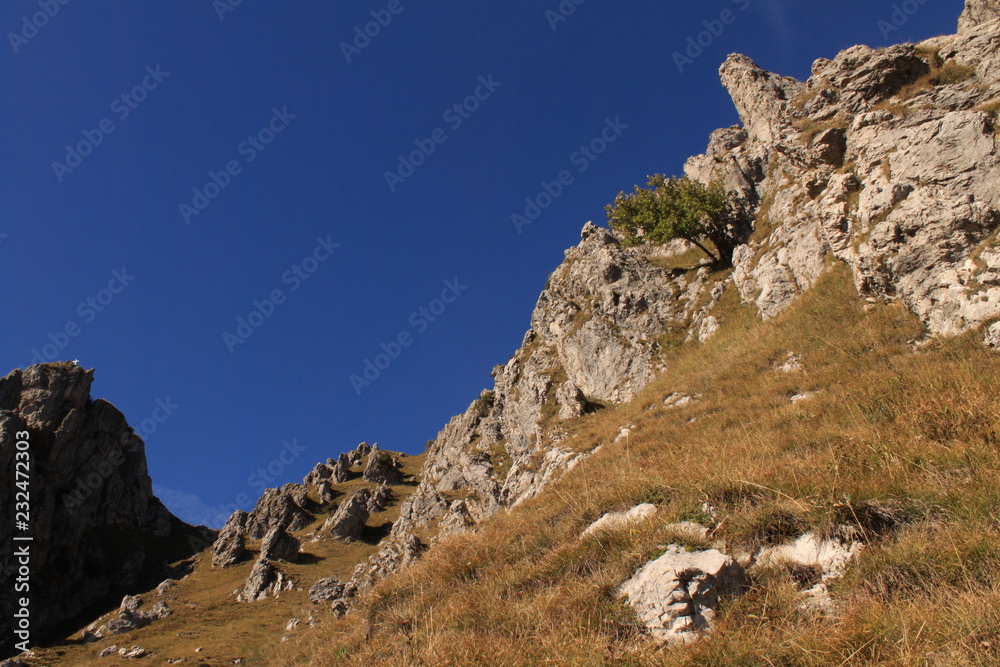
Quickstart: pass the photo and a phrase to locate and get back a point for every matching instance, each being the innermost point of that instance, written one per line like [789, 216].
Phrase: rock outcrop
[675, 595]
[595, 339]
[884, 159]
[265, 580]
[91, 499]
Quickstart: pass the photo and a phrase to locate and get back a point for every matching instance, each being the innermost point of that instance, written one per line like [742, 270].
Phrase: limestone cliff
[884, 159]
[97, 527]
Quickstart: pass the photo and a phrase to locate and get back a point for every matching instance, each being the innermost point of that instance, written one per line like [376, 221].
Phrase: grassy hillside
[901, 443]
[209, 627]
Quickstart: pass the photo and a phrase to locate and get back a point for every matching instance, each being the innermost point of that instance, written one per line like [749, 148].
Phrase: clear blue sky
[196, 87]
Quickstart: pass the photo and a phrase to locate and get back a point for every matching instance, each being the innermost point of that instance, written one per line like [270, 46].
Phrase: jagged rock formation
[382, 468]
[91, 498]
[279, 544]
[349, 520]
[231, 544]
[594, 339]
[265, 580]
[885, 159]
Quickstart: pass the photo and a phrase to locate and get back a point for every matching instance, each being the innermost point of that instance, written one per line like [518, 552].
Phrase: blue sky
[195, 198]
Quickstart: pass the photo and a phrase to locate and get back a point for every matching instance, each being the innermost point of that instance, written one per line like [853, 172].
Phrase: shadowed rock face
[96, 524]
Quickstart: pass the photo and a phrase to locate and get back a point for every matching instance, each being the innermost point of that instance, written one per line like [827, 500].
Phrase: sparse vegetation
[677, 208]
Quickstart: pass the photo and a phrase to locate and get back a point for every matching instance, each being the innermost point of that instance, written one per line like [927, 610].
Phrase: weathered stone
[230, 546]
[132, 652]
[279, 544]
[108, 650]
[992, 338]
[675, 595]
[265, 580]
[348, 522]
[331, 589]
[572, 401]
[379, 499]
[276, 508]
[382, 468]
[828, 557]
[619, 520]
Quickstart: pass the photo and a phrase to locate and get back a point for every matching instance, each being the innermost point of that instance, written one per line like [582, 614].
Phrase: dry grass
[904, 446]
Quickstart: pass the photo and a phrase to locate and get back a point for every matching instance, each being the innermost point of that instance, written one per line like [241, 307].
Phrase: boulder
[675, 596]
[348, 522]
[265, 580]
[382, 468]
[379, 499]
[279, 544]
[331, 589]
[90, 489]
[230, 546]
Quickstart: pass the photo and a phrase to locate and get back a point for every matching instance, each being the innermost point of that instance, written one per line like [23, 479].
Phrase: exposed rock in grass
[279, 544]
[675, 595]
[348, 522]
[265, 580]
[619, 520]
[379, 499]
[230, 546]
[829, 558]
[382, 468]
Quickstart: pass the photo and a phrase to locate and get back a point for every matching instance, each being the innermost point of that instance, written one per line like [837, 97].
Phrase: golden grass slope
[901, 441]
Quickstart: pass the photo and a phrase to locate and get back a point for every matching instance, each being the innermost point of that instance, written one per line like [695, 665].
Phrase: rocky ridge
[884, 159]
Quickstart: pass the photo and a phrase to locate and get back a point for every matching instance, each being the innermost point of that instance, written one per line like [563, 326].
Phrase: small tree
[677, 208]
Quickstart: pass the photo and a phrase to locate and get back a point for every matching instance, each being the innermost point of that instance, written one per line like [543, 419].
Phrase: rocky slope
[884, 159]
[90, 498]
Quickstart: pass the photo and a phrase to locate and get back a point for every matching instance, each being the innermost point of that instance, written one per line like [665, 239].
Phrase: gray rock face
[231, 544]
[382, 468]
[900, 183]
[331, 590]
[675, 595]
[869, 162]
[593, 340]
[265, 580]
[279, 544]
[348, 522]
[379, 499]
[277, 508]
[132, 617]
[89, 489]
